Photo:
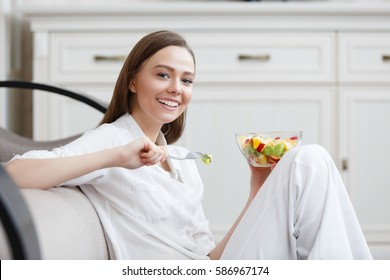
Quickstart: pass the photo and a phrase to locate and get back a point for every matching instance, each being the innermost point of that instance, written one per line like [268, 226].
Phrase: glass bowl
[263, 149]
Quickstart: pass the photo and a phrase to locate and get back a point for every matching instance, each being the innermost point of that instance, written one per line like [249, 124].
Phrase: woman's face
[163, 87]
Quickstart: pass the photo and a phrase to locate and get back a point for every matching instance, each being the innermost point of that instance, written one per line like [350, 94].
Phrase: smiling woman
[151, 205]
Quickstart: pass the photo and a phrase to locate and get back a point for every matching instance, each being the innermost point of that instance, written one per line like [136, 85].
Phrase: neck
[151, 130]
[151, 134]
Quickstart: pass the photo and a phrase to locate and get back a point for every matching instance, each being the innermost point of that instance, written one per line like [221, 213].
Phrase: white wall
[14, 65]
[4, 61]
[10, 58]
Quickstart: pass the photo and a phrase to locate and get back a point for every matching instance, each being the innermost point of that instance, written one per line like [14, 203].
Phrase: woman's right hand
[141, 152]
[48, 172]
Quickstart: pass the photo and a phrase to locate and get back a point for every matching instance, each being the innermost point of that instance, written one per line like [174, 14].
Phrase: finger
[153, 156]
[165, 153]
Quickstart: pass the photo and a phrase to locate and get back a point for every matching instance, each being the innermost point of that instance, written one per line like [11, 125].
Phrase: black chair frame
[17, 221]
[61, 91]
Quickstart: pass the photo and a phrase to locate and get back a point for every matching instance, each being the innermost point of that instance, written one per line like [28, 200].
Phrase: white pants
[301, 212]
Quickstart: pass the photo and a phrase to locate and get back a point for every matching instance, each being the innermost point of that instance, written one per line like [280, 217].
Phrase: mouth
[169, 103]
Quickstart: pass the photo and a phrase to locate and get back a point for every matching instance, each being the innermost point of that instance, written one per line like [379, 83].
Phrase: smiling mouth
[169, 103]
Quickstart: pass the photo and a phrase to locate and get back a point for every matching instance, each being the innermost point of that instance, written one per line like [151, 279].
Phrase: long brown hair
[121, 100]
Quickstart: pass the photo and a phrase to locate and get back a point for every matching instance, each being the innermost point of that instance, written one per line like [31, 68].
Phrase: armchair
[59, 223]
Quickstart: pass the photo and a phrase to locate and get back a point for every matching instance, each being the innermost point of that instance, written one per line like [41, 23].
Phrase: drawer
[221, 57]
[89, 57]
[264, 57]
[364, 57]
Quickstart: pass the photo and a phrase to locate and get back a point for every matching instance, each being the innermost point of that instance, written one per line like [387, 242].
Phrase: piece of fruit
[269, 150]
[207, 159]
[273, 159]
[256, 142]
[263, 159]
[260, 147]
[289, 144]
[279, 148]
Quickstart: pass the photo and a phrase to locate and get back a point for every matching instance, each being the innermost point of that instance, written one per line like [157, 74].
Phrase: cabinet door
[217, 112]
[56, 117]
[365, 134]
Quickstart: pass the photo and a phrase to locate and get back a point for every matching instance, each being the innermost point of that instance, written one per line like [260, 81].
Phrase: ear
[132, 86]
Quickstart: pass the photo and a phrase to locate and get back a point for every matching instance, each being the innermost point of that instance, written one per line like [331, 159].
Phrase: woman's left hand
[258, 177]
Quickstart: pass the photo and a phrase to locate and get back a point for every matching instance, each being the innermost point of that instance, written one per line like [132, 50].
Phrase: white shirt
[147, 213]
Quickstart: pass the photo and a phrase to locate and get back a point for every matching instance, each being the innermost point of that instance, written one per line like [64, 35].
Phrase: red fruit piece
[260, 147]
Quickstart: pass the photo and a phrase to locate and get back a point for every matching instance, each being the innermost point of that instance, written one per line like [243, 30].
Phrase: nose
[175, 87]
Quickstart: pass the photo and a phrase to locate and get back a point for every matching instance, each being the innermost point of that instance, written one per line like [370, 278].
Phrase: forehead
[176, 57]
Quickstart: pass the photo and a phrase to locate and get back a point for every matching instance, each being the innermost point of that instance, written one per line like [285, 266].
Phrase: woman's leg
[301, 212]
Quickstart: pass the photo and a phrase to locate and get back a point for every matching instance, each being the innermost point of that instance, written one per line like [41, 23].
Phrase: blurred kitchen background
[318, 66]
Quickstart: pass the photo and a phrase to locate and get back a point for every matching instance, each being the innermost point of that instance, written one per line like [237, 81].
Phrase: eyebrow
[172, 69]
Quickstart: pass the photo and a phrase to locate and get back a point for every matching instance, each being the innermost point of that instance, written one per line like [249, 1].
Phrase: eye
[187, 81]
[163, 75]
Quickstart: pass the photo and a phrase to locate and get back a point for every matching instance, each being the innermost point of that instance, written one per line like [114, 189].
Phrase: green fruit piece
[268, 150]
[279, 148]
[207, 159]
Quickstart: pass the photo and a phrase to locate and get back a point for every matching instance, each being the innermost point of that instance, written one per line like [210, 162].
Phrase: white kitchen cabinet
[365, 131]
[322, 68]
[364, 96]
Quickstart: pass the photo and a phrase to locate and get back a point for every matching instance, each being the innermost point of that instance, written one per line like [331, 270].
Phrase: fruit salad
[264, 151]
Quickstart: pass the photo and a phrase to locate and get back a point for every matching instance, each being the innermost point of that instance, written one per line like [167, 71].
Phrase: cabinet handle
[344, 164]
[260, 57]
[110, 58]
[386, 57]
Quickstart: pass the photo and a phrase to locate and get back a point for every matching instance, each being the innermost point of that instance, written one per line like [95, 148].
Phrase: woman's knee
[310, 154]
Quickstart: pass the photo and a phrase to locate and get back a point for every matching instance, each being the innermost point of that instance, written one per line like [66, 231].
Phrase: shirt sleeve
[94, 140]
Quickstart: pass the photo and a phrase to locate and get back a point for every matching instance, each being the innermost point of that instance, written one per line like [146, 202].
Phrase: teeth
[168, 103]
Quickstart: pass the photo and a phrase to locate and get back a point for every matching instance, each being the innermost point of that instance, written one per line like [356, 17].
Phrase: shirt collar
[133, 126]
[175, 171]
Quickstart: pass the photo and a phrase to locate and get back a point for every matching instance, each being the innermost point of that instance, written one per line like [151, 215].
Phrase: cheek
[187, 95]
[146, 85]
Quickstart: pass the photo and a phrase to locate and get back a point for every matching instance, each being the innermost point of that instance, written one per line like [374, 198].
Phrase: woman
[150, 205]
